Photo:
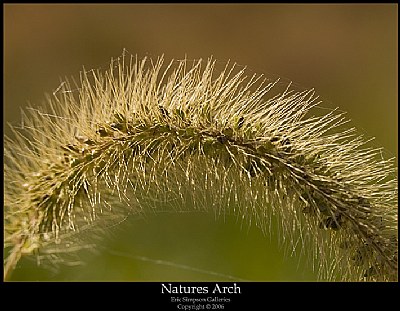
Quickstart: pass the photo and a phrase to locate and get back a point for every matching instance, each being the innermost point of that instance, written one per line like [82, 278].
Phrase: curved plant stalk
[141, 134]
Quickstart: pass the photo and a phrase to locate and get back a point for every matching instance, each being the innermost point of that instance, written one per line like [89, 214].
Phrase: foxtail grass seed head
[143, 134]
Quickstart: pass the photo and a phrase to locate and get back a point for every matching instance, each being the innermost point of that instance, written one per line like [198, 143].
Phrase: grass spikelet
[143, 134]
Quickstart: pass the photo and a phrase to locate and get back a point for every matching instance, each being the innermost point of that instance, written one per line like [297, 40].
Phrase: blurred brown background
[348, 53]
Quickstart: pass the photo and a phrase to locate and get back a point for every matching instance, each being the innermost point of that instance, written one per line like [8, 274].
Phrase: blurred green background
[348, 53]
